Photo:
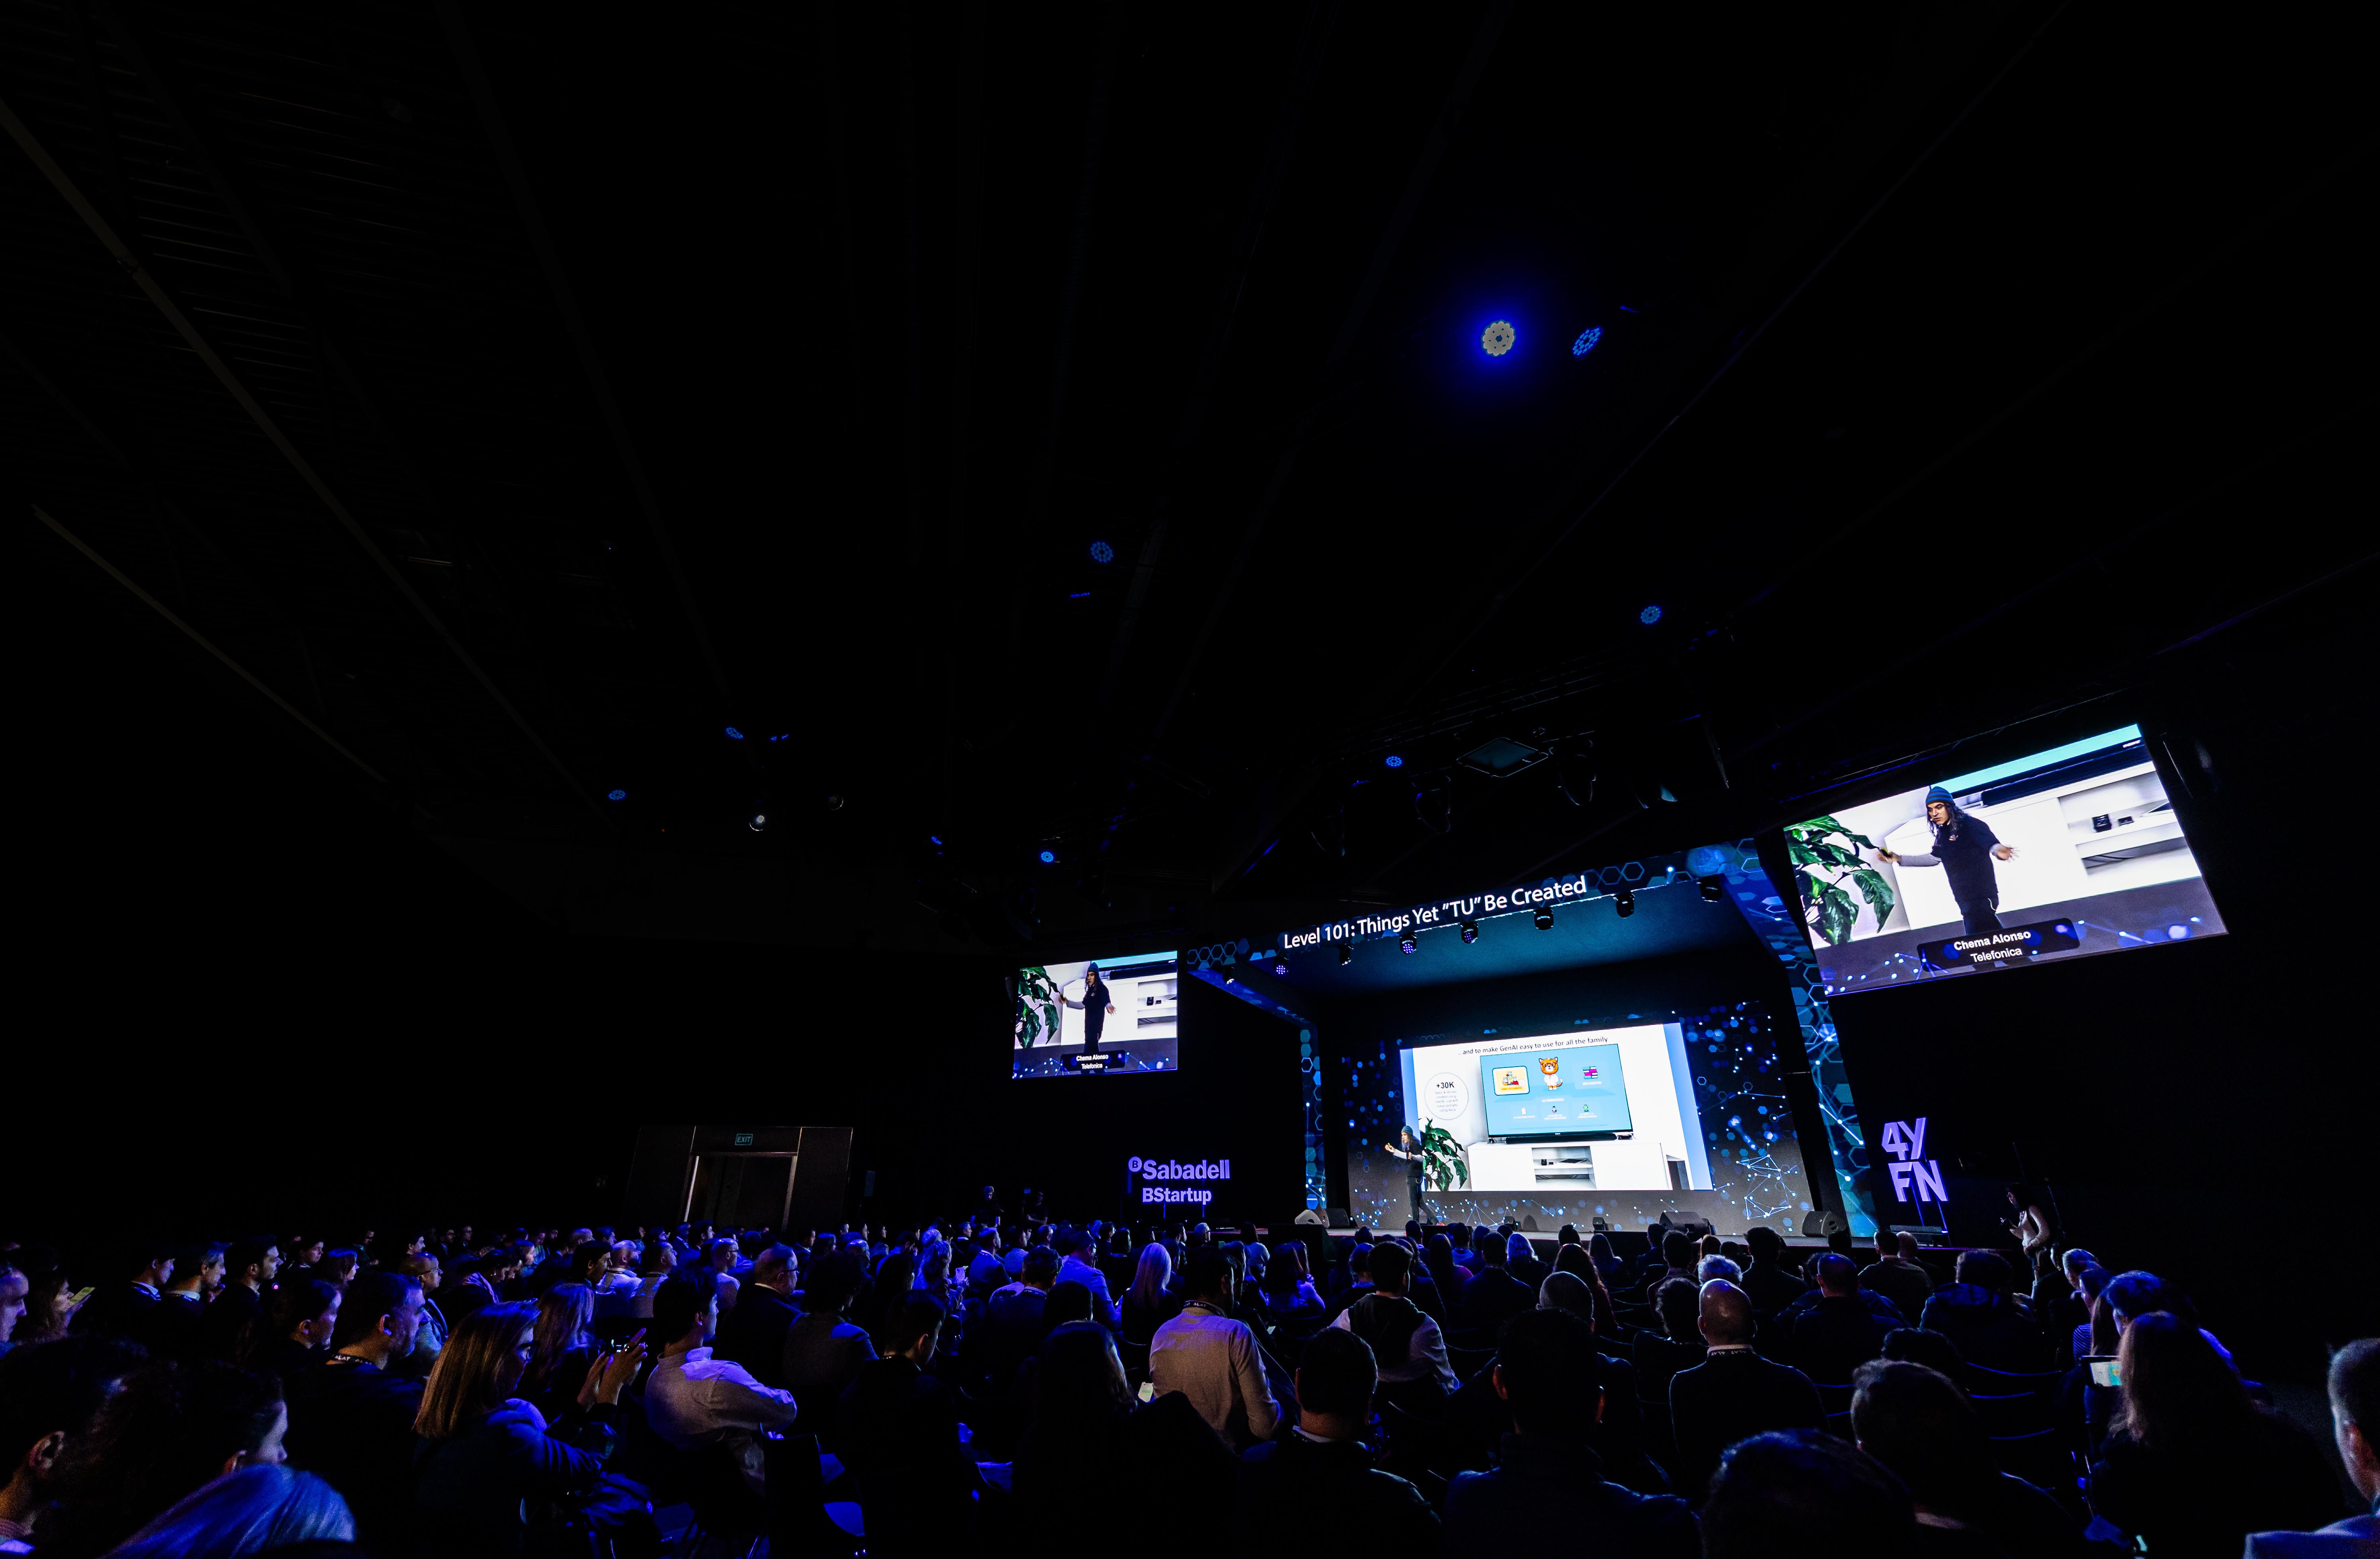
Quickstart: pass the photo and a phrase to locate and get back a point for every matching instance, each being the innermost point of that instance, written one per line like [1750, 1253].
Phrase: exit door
[741, 1190]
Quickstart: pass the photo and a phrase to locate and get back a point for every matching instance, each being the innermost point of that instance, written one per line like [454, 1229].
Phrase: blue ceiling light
[616, 796]
[1650, 615]
[1497, 338]
[1587, 340]
[1102, 553]
[1393, 761]
[735, 734]
[1048, 858]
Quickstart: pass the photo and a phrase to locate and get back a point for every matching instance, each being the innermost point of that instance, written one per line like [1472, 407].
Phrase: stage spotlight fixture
[1497, 338]
[1048, 858]
[1651, 615]
[1393, 761]
[1346, 953]
[1625, 902]
[834, 803]
[1281, 967]
[1585, 342]
[1544, 917]
[616, 796]
[1470, 929]
[1712, 887]
[757, 821]
[735, 734]
[1434, 806]
[1407, 939]
[1102, 553]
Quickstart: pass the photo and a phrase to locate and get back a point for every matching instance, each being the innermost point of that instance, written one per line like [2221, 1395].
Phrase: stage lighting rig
[1624, 900]
[1470, 929]
[1544, 917]
[1433, 805]
[1408, 940]
[758, 822]
[1712, 887]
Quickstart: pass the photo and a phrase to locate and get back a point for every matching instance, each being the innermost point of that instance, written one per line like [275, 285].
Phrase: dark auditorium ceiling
[1067, 427]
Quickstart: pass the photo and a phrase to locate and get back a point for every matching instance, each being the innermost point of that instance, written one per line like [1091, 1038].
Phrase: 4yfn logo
[1904, 1144]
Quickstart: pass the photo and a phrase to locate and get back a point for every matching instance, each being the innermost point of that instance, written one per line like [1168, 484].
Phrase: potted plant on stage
[1037, 1008]
[1442, 1157]
[1829, 871]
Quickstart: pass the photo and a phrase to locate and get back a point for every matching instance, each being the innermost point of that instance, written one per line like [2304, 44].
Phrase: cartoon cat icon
[1551, 1067]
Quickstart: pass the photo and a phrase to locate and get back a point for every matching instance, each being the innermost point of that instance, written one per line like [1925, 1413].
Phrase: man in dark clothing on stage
[1094, 1006]
[1964, 847]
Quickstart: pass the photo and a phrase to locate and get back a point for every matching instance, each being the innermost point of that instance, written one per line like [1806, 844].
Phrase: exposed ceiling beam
[565, 301]
[265, 423]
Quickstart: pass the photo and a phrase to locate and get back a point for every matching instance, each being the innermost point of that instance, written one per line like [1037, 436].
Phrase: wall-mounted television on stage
[1100, 1016]
[2054, 855]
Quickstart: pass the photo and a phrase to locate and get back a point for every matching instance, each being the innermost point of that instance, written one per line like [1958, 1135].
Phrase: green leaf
[1877, 892]
[1836, 915]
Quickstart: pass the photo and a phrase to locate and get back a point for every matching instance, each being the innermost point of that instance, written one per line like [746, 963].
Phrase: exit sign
[742, 1138]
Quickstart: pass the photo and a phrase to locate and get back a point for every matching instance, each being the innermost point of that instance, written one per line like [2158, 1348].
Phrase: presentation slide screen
[1649, 1113]
[1564, 1094]
[1118, 1015]
[2063, 853]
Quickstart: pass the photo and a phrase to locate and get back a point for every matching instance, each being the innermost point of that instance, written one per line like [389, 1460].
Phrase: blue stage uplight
[735, 734]
[1102, 553]
[1497, 338]
[1048, 858]
[616, 796]
[1587, 340]
[1393, 761]
[1650, 615]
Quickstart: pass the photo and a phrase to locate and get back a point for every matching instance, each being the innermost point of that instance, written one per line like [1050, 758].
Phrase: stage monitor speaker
[1338, 1217]
[1820, 1224]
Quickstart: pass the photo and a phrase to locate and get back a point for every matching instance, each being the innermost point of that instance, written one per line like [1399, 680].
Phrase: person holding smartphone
[1964, 847]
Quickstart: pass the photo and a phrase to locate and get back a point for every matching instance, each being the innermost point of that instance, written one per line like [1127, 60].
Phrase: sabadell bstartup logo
[1174, 1169]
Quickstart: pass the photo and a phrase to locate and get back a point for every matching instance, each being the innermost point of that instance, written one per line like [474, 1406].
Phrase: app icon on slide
[1512, 1079]
[1551, 1067]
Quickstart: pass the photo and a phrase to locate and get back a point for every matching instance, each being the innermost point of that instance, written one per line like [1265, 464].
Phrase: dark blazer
[753, 1334]
[1504, 1511]
[1617, 1438]
[1987, 1327]
[1284, 1481]
[118, 1309]
[1772, 1285]
[177, 1327]
[468, 1491]
[351, 1425]
[1657, 1359]
[1730, 1396]
[2201, 1502]
[1903, 1283]
[228, 1319]
[898, 1432]
[1835, 1336]
[1492, 1298]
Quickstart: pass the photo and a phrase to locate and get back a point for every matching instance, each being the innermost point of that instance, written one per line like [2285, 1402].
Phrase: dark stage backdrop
[1236, 1097]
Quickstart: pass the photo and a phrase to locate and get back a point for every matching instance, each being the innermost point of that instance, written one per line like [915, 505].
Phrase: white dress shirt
[694, 1399]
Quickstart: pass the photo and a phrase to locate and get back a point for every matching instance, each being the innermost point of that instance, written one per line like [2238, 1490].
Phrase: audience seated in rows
[434, 1395]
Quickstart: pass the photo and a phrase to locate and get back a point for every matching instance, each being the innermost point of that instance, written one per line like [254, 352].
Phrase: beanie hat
[1938, 794]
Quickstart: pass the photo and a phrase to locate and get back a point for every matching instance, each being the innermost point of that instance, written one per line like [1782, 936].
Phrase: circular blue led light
[1585, 342]
[1650, 615]
[2177, 931]
[1048, 858]
[735, 734]
[1393, 761]
[618, 795]
[1102, 553]
[1497, 338]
